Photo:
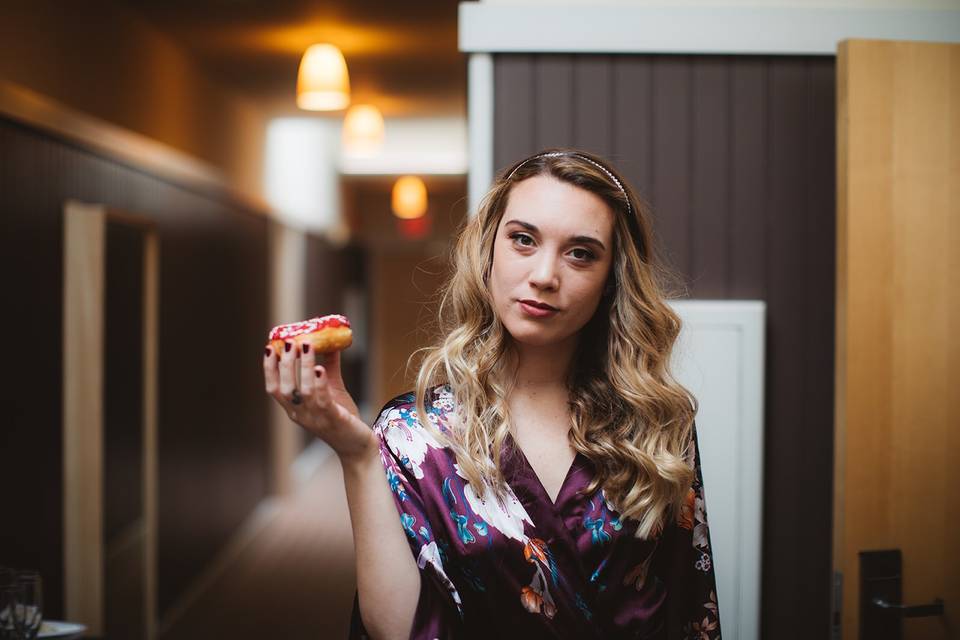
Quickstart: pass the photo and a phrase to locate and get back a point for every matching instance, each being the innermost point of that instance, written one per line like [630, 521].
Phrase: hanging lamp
[363, 130]
[323, 83]
[409, 198]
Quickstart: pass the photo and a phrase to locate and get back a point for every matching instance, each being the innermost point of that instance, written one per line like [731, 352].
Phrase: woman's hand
[322, 405]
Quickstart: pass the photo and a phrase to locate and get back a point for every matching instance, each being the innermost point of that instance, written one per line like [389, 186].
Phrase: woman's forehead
[554, 206]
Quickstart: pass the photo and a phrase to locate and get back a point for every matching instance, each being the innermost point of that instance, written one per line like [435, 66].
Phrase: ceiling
[402, 56]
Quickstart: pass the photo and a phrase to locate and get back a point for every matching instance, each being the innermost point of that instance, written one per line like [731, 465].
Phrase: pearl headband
[560, 154]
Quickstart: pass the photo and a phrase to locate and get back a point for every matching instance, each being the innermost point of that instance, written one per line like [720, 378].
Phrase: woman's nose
[545, 273]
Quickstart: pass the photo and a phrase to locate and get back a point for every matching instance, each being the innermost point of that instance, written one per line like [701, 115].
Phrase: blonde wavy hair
[629, 416]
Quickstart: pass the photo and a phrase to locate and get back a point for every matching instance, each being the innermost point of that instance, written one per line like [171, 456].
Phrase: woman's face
[554, 247]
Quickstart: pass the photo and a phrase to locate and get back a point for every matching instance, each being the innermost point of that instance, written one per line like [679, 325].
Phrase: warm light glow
[415, 229]
[363, 130]
[322, 82]
[409, 198]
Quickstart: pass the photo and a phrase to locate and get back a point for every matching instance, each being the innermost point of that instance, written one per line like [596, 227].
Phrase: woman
[545, 469]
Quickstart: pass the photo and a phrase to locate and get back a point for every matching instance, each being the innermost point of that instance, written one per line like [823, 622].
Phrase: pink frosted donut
[325, 334]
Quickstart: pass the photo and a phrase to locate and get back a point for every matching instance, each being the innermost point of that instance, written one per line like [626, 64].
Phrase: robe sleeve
[686, 566]
[438, 612]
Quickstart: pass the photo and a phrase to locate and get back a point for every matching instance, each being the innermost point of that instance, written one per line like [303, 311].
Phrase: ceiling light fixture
[409, 198]
[323, 83]
[363, 131]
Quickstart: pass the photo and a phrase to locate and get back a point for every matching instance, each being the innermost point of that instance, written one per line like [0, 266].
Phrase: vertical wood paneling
[710, 178]
[748, 160]
[819, 310]
[513, 109]
[553, 77]
[736, 156]
[633, 121]
[593, 84]
[787, 260]
[672, 146]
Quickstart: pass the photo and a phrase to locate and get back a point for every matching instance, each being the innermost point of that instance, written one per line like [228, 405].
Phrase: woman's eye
[584, 255]
[520, 237]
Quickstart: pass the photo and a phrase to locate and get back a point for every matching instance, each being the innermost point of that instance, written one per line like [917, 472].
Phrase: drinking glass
[11, 594]
[28, 614]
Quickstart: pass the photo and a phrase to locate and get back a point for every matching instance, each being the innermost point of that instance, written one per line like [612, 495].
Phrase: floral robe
[533, 568]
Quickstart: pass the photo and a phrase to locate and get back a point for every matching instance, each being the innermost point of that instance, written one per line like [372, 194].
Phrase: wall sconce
[323, 83]
[409, 198]
[363, 130]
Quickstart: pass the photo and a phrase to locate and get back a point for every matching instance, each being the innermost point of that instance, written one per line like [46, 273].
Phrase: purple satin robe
[532, 568]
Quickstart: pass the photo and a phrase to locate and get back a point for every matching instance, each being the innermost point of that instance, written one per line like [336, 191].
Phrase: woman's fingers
[288, 379]
[307, 360]
[321, 389]
[271, 375]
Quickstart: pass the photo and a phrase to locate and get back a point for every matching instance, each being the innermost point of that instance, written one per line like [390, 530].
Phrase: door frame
[84, 277]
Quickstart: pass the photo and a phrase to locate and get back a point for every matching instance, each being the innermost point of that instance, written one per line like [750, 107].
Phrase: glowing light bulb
[409, 198]
[363, 130]
[323, 83]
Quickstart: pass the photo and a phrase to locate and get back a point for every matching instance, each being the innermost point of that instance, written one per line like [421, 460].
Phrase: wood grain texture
[83, 321]
[898, 310]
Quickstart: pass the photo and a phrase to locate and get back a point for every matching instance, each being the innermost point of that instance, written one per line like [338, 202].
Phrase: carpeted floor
[294, 580]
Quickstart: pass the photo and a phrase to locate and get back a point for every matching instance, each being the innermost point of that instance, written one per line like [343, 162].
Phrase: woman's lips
[535, 312]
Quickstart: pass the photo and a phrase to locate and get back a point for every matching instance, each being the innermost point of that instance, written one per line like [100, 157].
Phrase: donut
[325, 334]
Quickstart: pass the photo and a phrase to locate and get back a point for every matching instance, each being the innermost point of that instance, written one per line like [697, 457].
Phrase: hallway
[293, 578]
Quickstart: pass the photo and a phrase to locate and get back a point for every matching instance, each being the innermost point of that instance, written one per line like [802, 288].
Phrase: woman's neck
[543, 368]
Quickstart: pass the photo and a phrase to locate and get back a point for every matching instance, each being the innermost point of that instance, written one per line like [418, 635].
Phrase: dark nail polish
[318, 372]
[286, 346]
[266, 352]
[306, 347]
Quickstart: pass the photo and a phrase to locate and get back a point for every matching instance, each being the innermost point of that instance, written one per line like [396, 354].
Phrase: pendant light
[323, 83]
[409, 198]
[362, 130]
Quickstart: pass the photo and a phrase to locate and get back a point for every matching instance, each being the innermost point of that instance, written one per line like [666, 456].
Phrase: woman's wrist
[360, 462]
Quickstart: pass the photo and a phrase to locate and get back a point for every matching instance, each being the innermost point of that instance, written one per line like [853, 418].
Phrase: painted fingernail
[306, 347]
[266, 352]
[319, 372]
[287, 345]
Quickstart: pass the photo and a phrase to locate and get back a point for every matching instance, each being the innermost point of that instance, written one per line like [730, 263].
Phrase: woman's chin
[536, 338]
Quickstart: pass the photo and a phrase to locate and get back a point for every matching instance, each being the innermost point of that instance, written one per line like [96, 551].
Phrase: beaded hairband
[559, 154]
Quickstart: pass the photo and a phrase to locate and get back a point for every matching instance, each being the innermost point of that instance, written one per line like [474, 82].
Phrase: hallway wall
[213, 319]
[105, 61]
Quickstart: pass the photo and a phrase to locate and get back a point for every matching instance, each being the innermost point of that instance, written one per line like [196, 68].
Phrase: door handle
[914, 611]
[881, 614]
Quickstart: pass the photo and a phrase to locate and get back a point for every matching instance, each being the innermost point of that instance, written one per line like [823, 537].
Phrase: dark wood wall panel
[514, 107]
[710, 178]
[748, 137]
[736, 155]
[123, 380]
[592, 83]
[633, 120]
[672, 156]
[213, 319]
[554, 90]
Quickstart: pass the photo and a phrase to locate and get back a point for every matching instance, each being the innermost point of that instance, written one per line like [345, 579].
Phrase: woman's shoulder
[438, 401]
[402, 434]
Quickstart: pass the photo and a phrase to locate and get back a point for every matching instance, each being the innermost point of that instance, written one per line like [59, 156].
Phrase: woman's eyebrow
[580, 239]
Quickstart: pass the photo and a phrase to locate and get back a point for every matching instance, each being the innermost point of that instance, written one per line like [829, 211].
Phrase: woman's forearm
[388, 580]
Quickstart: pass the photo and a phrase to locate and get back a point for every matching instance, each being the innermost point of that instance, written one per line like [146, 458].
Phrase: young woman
[545, 470]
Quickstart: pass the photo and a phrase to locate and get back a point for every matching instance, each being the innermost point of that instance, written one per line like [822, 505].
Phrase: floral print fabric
[532, 568]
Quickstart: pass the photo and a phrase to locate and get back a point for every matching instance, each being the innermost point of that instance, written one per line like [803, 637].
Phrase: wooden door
[897, 457]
